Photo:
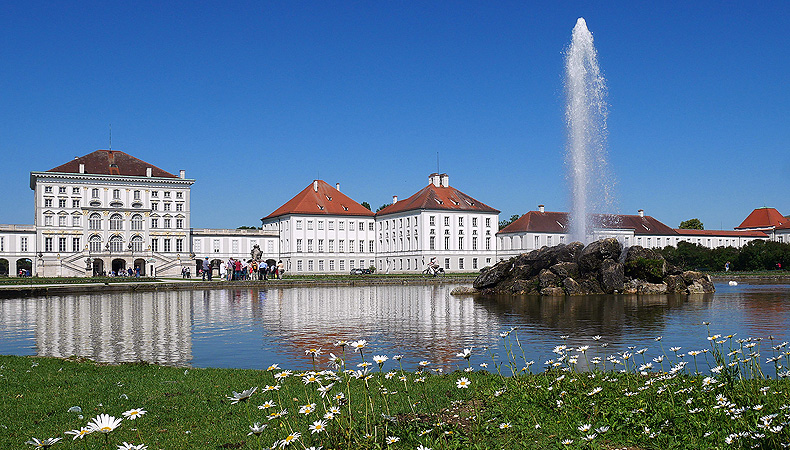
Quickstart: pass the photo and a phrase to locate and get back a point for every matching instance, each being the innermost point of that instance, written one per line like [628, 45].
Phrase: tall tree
[691, 224]
[505, 222]
[366, 205]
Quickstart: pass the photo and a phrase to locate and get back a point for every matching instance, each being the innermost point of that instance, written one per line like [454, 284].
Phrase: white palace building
[108, 212]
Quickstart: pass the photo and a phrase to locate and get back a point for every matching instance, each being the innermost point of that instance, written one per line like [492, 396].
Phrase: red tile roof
[111, 162]
[763, 218]
[438, 198]
[319, 198]
[557, 222]
[724, 233]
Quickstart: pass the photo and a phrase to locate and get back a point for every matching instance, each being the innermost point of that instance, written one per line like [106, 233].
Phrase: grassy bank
[628, 400]
[26, 281]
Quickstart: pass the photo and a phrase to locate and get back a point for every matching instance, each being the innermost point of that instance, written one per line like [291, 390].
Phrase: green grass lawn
[26, 281]
[630, 402]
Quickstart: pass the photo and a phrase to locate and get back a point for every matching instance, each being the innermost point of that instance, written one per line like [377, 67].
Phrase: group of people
[237, 269]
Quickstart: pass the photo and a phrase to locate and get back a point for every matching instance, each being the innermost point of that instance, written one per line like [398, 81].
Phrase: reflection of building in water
[151, 326]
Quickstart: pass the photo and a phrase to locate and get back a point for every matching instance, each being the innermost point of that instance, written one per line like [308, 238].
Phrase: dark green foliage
[756, 255]
[691, 224]
[505, 222]
[383, 206]
[651, 270]
[366, 205]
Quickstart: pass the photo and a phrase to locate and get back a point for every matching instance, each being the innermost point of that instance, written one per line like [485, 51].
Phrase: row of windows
[331, 265]
[116, 222]
[116, 193]
[411, 264]
[341, 246]
[341, 224]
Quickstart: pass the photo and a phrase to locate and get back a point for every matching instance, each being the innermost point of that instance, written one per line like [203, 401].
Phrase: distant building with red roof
[763, 219]
[439, 223]
[323, 230]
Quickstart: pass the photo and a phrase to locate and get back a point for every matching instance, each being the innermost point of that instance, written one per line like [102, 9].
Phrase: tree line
[754, 256]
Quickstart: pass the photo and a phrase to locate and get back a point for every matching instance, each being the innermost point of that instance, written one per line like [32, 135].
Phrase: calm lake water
[253, 328]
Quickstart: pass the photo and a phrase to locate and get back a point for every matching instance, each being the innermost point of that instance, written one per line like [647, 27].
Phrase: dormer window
[116, 193]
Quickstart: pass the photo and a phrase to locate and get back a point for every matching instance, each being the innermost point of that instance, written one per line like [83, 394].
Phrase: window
[166, 245]
[234, 245]
[198, 247]
[474, 263]
[371, 248]
[331, 246]
[179, 223]
[447, 242]
[298, 245]
[137, 244]
[75, 191]
[23, 244]
[309, 225]
[432, 243]
[341, 226]
[320, 225]
[331, 265]
[48, 221]
[298, 224]
[299, 265]
[179, 206]
[340, 246]
[2, 244]
[166, 222]
[62, 243]
[154, 194]
[460, 263]
[61, 203]
[320, 245]
[350, 225]
[167, 194]
[167, 206]
[342, 264]
[179, 195]
[474, 243]
[447, 221]
[62, 190]
[309, 245]
[361, 226]
[320, 265]
[94, 193]
[488, 221]
[154, 223]
[116, 194]
[460, 243]
[154, 206]
[370, 226]
[310, 265]
[75, 203]
[460, 221]
[75, 244]
[351, 263]
[215, 245]
[47, 203]
[137, 222]
[48, 189]
[116, 244]
[446, 263]
[474, 221]
[48, 244]
[331, 226]
[154, 245]
[137, 195]
[95, 243]
[548, 241]
[361, 246]
[351, 244]
[116, 222]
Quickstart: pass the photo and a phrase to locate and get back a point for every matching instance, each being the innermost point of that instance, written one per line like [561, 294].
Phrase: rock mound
[599, 268]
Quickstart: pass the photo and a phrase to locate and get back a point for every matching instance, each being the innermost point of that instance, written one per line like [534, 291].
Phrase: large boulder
[651, 288]
[572, 287]
[611, 276]
[593, 255]
[645, 264]
[548, 279]
[697, 282]
[492, 276]
[565, 269]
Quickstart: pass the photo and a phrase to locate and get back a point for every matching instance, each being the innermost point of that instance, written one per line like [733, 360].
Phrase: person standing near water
[727, 266]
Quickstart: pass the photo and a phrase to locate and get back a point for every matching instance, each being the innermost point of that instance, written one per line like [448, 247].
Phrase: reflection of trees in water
[607, 315]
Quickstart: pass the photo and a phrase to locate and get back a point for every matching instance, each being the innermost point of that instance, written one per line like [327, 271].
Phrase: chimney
[433, 179]
[82, 168]
[182, 174]
[541, 208]
[641, 213]
[315, 185]
[148, 171]
[394, 199]
[445, 180]
[337, 186]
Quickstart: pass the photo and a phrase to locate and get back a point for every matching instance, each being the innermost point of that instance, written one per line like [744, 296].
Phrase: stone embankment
[602, 267]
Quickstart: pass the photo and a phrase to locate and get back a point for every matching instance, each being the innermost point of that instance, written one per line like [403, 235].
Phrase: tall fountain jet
[585, 114]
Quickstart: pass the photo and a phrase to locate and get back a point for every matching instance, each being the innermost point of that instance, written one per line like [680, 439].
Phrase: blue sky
[256, 99]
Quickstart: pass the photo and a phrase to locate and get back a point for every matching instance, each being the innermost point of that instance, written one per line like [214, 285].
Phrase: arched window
[116, 222]
[94, 222]
[95, 243]
[137, 244]
[137, 222]
[116, 244]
